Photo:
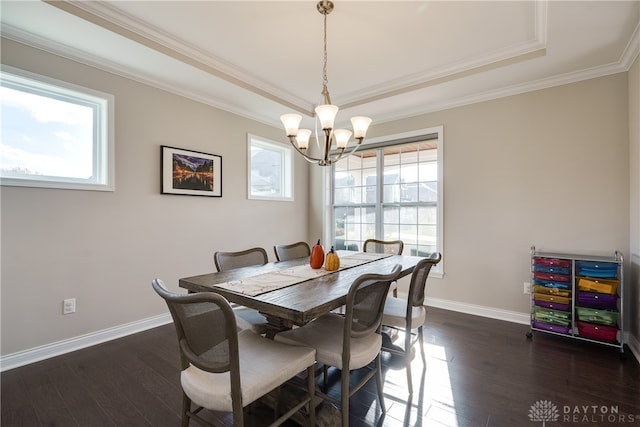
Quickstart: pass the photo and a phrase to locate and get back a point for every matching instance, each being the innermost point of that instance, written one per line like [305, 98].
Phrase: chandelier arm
[310, 159]
[343, 153]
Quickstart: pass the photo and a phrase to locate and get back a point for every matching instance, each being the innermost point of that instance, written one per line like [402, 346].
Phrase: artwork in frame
[190, 172]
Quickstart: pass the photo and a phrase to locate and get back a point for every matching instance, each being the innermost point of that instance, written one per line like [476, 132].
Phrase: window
[391, 189]
[54, 134]
[270, 170]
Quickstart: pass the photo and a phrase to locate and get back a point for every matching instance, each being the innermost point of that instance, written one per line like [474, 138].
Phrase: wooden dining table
[299, 303]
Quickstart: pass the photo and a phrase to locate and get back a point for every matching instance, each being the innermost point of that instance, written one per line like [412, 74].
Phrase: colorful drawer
[551, 327]
[601, 317]
[597, 269]
[551, 291]
[551, 298]
[555, 317]
[553, 305]
[596, 300]
[603, 286]
[598, 332]
[552, 262]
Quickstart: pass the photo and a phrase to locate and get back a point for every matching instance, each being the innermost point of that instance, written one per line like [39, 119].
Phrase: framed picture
[190, 173]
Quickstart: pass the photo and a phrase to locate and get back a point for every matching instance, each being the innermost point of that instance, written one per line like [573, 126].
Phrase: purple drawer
[596, 300]
[553, 305]
[549, 327]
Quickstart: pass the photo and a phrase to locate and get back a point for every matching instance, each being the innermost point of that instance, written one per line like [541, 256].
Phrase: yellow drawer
[604, 286]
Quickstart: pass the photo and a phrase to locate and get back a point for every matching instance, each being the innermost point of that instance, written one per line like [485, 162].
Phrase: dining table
[290, 292]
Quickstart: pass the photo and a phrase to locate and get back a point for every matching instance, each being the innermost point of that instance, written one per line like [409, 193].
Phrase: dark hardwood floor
[480, 372]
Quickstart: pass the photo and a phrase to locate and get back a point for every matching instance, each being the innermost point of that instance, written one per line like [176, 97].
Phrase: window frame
[387, 141]
[103, 158]
[286, 152]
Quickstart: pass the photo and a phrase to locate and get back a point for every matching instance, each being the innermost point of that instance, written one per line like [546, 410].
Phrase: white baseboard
[633, 345]
[36, 354]
[479, 310]
[511, 316]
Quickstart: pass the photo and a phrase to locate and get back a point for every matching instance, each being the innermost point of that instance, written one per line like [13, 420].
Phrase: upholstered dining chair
[292, 251]
[407, 315]
[226, 261]
[224, 369]
[360, 341]
[391, 247]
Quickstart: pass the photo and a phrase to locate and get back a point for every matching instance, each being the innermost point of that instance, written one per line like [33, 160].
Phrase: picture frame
[191, 173]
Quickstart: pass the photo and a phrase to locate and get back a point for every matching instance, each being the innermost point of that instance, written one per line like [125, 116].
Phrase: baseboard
[479, 310]
[511, 316]
[633, 345]
[36, 354]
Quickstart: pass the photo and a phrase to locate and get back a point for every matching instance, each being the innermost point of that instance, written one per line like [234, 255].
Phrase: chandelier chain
[325, 115]
[325, 80]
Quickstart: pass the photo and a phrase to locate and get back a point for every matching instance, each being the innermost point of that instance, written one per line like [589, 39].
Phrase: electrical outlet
[527, 288]
[69, 306]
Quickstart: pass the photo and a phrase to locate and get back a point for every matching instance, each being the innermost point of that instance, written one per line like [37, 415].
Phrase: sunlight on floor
[433, 403]
[438, 393]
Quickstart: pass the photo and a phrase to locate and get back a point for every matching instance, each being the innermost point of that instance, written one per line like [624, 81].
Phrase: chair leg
[380, 384]
[344, 396]
[325, 382]
[407, 357]
[311, 385]
[276, 406]
[238, 412]
[421, 338]
[186, 408]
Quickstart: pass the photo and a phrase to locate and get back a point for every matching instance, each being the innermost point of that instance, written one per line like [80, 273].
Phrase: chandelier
[326, 114]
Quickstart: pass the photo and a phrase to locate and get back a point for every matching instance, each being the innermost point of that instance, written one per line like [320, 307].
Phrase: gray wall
[549, 168]
[104, 248]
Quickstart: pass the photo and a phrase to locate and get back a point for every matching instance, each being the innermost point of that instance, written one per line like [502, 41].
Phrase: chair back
[419, 279]
[292, 251]
[391, 247]
[365, 303]
[206, 329]
[226, 261]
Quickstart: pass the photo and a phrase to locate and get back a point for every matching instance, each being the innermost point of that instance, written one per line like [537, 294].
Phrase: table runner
[267, 282]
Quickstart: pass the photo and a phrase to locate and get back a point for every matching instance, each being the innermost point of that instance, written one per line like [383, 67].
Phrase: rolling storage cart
[578, 296]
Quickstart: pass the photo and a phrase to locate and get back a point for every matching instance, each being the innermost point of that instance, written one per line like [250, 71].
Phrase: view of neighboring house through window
[391, 192]
[270, 170]
[54, 134]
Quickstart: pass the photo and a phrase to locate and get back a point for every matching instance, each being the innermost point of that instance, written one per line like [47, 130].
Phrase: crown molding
[112, 19]
[518, 89]
[499, 58]
[88, 59]
[535, 47]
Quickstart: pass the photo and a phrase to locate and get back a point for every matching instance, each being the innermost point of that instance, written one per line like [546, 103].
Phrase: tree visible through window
[390, 192]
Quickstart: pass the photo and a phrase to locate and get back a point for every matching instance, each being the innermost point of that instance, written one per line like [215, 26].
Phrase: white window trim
[288, 177]
[328, 217]
[104, 157]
